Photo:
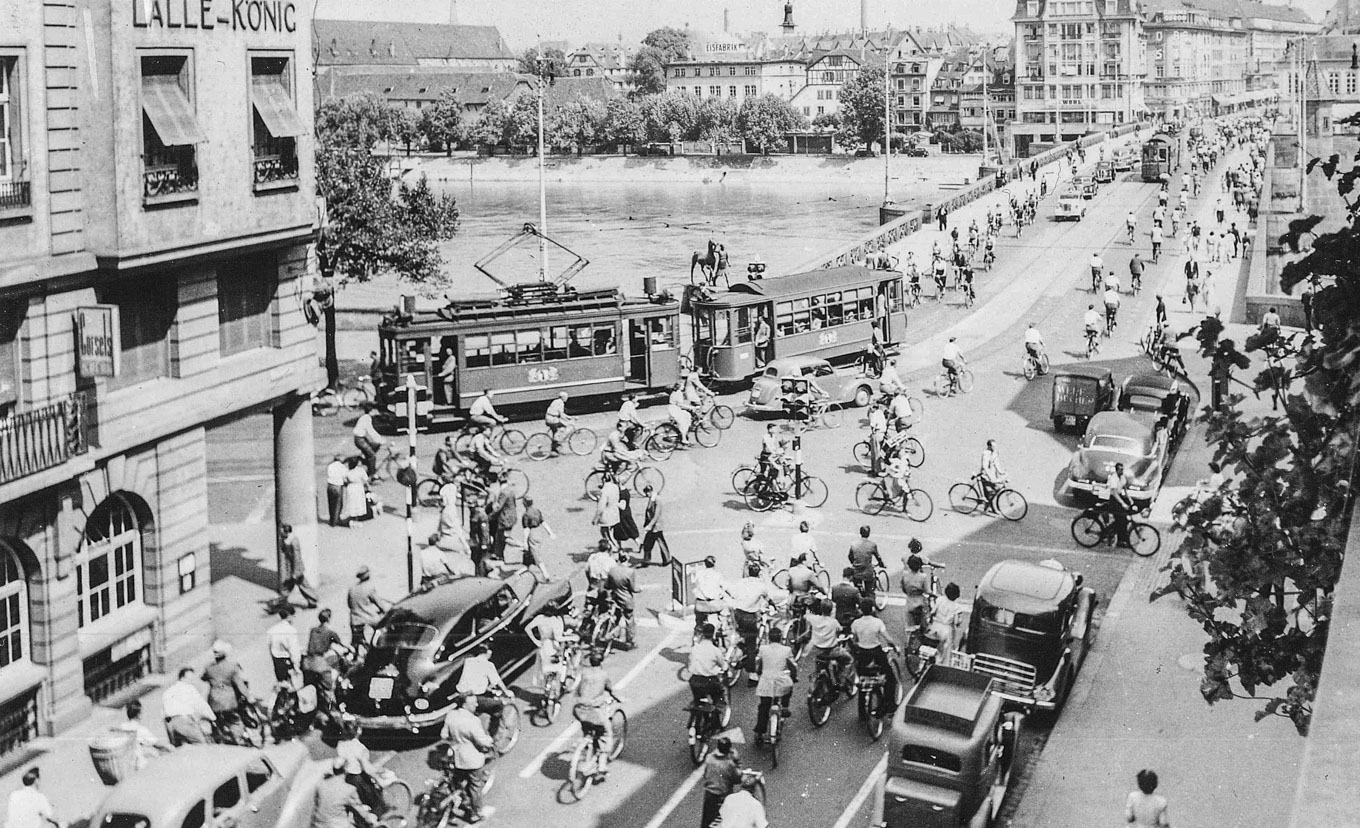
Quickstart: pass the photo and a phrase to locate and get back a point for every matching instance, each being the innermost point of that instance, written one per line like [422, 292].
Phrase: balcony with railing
[15, 198]
[169, 174]
[43, 438]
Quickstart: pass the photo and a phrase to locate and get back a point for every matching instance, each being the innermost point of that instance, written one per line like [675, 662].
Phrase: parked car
[1104, 173]
[917, 152]
[1071, 206]
[1086, 185]
[1079, 393]
[216, 785]
[1152, 397]
[1124, 158]
[951, 754]
[407, 679]
[1030, 629]
[1119, 437]
[784, 380]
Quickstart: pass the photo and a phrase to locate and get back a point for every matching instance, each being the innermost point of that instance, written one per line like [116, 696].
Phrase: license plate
[380, 689]
[1069, 420]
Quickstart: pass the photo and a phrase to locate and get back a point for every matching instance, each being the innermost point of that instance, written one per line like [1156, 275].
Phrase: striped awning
[275, 107]
[171, 114]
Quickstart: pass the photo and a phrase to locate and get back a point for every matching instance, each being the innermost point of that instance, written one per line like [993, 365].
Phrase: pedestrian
[145, 743]
[535, 527]
[368, 440]
[185, 710]
[479, 537]
[319, 661]
[626, 530]
[1159, 313]
[1146, 807]
[720, 777]
[227, 689]
[366, 608]
[607, 509]
[293, 568]
[1218, 210]
[1236, 236]
[283, 644]
[622, 586]
[503, 515]
[433, 565]
[654, 529]
[741, 809]
[29, 807]
[356, 492]
[335, 489]
[943, 216]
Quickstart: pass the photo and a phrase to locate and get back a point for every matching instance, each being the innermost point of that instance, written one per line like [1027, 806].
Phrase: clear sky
[522, 21]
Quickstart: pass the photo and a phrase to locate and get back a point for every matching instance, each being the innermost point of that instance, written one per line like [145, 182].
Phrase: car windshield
[1143, 402]
[119, 820]
[1112, 442]
[1046, 624]
[405, 636]
[822, 370]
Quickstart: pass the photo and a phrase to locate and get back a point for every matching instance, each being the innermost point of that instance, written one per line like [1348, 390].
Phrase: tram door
[637, 351]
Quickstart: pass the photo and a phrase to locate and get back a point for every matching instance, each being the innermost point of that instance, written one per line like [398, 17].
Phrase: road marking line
[862, 794]
[574, 730]
[262, 506]
[677, 797]
[240, 478]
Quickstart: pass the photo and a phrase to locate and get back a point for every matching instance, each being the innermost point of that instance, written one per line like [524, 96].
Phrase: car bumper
[1027, 702]
[1091, 486]
[776, 407]
[410, 722]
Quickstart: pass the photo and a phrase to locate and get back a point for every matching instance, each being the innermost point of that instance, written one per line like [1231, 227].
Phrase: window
[916, 100]
[750, 91]
[731, 70]
[11, 320]
[821, 110]
[13, 609]
[1334, 82]
[731, 91]
[590, 73]
[712, 71]
[748, 70]
[170, 130]
[679, 71]
[1350, 83]
[146, 315]
[275, 121]
[197, 815]
[245, 291]
[227, 796]
[258, 774]
[715, 91]
[109, 563]
[11, 135]
[187, 569]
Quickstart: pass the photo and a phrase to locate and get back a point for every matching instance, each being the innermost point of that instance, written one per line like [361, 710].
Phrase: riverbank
[946, 170]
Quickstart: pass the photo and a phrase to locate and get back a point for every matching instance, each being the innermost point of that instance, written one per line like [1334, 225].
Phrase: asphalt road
[825, 773]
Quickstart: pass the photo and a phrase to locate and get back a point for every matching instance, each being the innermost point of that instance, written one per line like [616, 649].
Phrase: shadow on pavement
[233, 562]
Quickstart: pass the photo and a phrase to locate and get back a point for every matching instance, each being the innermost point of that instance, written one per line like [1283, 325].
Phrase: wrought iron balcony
[169, 171]
[32, 441]
[275, 169]
[14, 195]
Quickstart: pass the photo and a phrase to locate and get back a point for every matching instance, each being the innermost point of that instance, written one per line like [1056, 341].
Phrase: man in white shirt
[368, 440]
[470, 743]
[557, 420]
[750, 596]
[628, 410]
[184, 708]
[1111, 307]
[433, 564]
[145, 742]
[1156, 236]
[283, 644]
[1097, 268]
[1034, 341]
[992, 473]
[952, 359]
[29, 807]
[335, 488]
[678, 409]
[872, 644]
[742, 810]
[708, 592]
[481, 680]
[803, 544]
[1092, 321]
[707, 663]
[483, 412]
[944, 622]
[899, 410]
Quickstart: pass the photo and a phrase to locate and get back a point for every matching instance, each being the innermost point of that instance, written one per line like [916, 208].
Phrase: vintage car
[1030, 629]
[1086, 185]
[216, 785]
[1152, 397]
[915, 151]
[1079, 393]
[1120, 437]
[1104, 173]
[1124, 159]
[950, 755]
[407, 679]
[783, 380]
[1071, 207]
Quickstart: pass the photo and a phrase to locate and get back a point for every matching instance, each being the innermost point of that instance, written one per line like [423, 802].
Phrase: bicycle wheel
[780, 580]
[815, 492]
[698, 749]
[462, 444]
[1088, 529]
[742, 478]
[863, 453]
[1145, 539]
[873, 708]
[649, 476]
[427, 493]
[880, 580]
[583, 766]
[918, 408]
[1043, 363]
[658, 447]
[918, 505]
[916, 666]
[507, 735]
[434, 808]
[538, 446]
[668, 435]
[831, 418]
[618, 722]
[797, 637]
[582, 441]
[594, 482]
[1031, 368]
[722, 416]
[963, 498]
[871, 497]
[552, 698]
[823, 578]
[965, 380]
[759, 498]
[512, 442]
[819, 701]
[1011, 504]
[518, 482]
[706, 434]
[353, 397]
[397, 798]
[914, 452]
[941, 385]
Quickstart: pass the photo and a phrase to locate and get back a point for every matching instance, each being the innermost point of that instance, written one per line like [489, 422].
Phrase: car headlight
[1043, 694]
[421, 704]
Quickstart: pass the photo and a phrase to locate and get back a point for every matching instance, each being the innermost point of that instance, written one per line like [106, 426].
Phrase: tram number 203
[542, 374]
[827, 338]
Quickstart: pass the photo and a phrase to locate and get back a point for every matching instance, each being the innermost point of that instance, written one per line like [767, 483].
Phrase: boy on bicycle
[1111, 307]
[1092, 323]
[595, 703]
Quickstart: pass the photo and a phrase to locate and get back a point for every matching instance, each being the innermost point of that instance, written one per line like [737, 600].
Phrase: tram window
[661, 331]
[503, 348]
[581, 341]
[604, 340]
[818, 313]
[558, 343]
[721, 334]
[530, 343]
[784, 324]
[477, 351]
[743, 330]
[704, 328]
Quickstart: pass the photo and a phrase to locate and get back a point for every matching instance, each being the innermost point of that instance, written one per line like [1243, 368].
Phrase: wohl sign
[237, 15]
[97, 341]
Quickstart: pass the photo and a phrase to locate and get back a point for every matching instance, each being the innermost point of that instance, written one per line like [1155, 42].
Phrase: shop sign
[97, 341]
[237, 15]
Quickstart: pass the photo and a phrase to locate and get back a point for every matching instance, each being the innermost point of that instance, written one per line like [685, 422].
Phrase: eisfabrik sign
[237, 15]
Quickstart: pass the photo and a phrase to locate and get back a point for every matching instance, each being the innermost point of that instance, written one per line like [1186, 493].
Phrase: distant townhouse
[998, 66]
[602, 60]
[916, 58]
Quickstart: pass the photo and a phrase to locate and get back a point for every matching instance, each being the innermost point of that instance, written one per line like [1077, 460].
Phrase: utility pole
[887, 112]
[985, 120]
[411, 484]
[542, 188]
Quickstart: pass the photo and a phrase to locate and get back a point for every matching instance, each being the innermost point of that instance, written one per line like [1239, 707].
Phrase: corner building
[157, 206]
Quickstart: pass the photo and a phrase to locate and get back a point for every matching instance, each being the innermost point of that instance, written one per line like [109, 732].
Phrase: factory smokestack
[453, 12]
[726, 20]
[863, 17]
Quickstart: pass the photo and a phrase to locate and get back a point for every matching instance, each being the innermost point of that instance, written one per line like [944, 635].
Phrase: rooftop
[358, 42]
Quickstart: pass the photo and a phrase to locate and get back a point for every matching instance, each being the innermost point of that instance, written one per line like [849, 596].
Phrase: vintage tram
[829, 313]
[1161, 155]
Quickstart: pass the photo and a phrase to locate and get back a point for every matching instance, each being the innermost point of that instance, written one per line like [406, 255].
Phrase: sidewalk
[1137, 703]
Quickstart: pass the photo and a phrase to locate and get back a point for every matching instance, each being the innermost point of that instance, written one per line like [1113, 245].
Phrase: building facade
[157, 206]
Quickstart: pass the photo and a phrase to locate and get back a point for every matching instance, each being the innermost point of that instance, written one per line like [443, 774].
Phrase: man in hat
[366, 607]
[227, 688]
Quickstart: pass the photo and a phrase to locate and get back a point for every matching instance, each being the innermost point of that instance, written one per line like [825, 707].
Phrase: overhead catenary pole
[542, 188]
[887, 112]
[985, 120]
[410, 487]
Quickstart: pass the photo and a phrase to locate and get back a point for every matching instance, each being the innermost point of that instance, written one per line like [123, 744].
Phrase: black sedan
[408, 677]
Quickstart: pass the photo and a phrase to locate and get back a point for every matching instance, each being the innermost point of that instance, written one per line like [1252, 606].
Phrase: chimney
[864, 17]
[787, 25]
[726, 21]
[453, 12]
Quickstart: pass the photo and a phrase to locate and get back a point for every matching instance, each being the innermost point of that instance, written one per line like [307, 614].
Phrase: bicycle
[823, 578]
[966, 498]
[249, 725]
[510, 441]
[820, 413]
[601, 629]
[1168, 360]
[1096, 525]
[716, 414]
[668, 438]
[1092, 343]
[445, 796]
[764, 494]
[921, 647]
[559, 682]
[914, 294]
[1035, 366]
[873, 496]
[1136, 283]
[873, 709]
[836, 677]
[946, 384]
[332, 400]
[1111, 321]
[579, 441]
[706, 720]
[1151, 340]
[910, 448]
[584, 770]
[638, 477]
[869, 364]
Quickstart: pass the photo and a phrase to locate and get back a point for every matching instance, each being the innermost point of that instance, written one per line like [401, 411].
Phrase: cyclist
[871, 642]
[824, 636]
[360, 771]
[616, 454]
[803, 587]
[557, 421]
[897, 476]
[707, 663]
[1159, 214]
[228, 692]
[749, 598]
[595, 701]
[1177, 216]
[695, 391]
[899, 410]
[875, 354]
[628, 415]
[913, 279]
[1156, 235]
[1136, 272]
[989, 250]
[1034, 343]
[470, 744]
[778, 672]
[952, 359]
[770, 461]
[483, 453]
[1092, 322]
[845, 596]
[966, 282]
[1112, 280]
[916, 586]
[990, 472]
[678, 408]
[1131, 224]
[944, 622]
[335, 803]
[709, 591]
[1111, 309]
[1097, 271]
[483, 412]
[548, 631]
[481, 682]
[1121, 505]
[752, 550]
[939, 274]
[863, 555]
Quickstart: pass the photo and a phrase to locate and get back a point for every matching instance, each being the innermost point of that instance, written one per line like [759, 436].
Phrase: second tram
[1161, 155]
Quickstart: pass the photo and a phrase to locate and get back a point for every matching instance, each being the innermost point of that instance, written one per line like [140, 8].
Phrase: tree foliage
[442, 122]
[552, 64]
[1262, 553]
[765, 119]
[624, 123]
[671, 116]
[405, 127]
[659, 47]
[490, 126]
[861, 108]
[717, 120]
[576, 123]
